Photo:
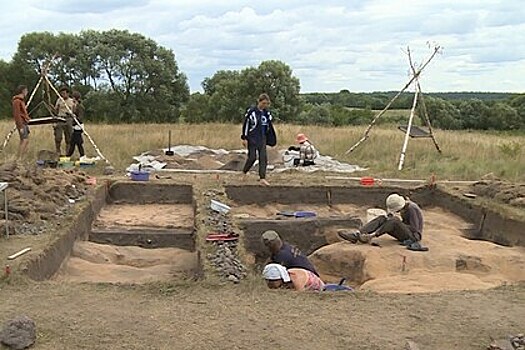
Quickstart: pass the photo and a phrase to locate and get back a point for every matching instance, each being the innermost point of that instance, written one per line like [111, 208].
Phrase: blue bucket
[139, 175]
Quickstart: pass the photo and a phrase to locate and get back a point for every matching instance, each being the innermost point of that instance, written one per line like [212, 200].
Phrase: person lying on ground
[286, 254]
[408, 230]
[277, 276]
[307, 151]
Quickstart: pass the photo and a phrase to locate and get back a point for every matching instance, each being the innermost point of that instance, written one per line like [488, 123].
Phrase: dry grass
[466, 155]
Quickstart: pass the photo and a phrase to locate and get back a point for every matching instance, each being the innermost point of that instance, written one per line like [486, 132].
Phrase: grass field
[466, 155]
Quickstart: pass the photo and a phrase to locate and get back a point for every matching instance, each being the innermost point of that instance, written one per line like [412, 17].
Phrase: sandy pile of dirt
[36, 196]
[452, 263]
[504, 192]
[91, 262]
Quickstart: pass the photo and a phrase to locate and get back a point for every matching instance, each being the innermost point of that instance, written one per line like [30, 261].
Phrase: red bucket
[367, 181]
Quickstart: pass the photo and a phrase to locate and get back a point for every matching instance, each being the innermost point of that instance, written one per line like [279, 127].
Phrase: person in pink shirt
[277, 276]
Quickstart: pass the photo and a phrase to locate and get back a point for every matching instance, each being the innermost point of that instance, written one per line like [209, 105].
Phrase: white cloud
[333, 45]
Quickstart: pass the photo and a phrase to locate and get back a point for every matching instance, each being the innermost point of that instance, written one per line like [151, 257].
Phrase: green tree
[443, 114]
[231, 92]
[475, 114]
[504, 117]
[196, 110]
[518, 103]
[124, 76]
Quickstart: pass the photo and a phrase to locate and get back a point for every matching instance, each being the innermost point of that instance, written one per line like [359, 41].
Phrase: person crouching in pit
[408, 230]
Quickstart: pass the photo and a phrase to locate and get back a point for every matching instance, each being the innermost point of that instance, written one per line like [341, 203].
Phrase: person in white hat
[408, 230]
[277, 276]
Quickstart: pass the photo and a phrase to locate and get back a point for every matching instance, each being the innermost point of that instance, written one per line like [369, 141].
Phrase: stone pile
[225, 257]
[516, 342]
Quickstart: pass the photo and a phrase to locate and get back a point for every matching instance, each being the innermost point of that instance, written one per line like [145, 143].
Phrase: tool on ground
[169, 152]
[214, 237]
[219, 207]
[19, 253]
[297, 214]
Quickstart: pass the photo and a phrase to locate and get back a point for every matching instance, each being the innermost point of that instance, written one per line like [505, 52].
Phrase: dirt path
[196, 316]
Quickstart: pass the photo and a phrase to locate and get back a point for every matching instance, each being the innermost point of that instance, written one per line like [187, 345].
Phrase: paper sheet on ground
[188, 157]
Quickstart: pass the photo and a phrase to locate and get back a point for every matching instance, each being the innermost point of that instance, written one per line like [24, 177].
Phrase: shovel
[169, 152]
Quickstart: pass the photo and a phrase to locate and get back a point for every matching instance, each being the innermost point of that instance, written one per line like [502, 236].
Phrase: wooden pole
[76, 120]
[407, 135]
[414, 77]
[422, 102]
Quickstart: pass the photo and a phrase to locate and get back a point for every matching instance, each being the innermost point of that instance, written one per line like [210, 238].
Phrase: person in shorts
[21, 117]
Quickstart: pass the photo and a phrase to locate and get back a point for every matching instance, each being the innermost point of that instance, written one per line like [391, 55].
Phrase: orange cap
[300, 138]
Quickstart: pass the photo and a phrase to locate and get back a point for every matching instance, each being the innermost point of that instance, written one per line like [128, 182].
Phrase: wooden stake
[407, 135]
[414, 77]
[422, 100]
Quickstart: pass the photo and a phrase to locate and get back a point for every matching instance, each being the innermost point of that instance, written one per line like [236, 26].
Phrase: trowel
[169, 152]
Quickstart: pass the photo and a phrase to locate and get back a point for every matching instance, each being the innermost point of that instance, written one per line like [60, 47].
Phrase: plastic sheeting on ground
[188, 157]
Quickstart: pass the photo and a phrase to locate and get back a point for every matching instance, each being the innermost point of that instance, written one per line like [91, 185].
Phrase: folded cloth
[274, 272]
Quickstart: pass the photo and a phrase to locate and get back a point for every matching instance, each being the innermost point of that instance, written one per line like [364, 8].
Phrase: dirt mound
[452, 262]
[91, 262]
[37, 195]
[504, 192]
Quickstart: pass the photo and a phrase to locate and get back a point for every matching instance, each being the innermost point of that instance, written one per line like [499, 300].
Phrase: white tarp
[147, 161]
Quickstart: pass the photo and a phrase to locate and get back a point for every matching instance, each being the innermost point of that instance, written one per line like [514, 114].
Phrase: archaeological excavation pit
[471, 247]
[142, 233]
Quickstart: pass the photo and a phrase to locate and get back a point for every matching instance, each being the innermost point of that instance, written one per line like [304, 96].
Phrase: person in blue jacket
[257, 133]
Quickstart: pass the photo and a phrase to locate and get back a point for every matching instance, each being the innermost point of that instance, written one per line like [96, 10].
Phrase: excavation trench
[470, 247]
[142, 233]
[138, 232]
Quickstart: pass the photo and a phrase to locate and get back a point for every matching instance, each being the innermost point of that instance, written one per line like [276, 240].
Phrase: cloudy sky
[330, 45]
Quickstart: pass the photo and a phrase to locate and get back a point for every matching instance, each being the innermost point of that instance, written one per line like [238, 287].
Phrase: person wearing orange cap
[307, 151]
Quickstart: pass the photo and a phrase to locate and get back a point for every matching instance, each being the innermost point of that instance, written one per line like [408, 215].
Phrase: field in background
[466, 155]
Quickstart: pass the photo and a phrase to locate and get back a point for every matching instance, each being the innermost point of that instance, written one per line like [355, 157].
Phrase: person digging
[285, 254]
[408, 230]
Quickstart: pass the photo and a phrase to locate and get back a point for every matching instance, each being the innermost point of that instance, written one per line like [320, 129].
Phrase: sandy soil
[91, 262]
[149, 215]
[452, 263]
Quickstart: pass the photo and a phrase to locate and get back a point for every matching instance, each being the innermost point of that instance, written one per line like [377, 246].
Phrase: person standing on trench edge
[257, 133]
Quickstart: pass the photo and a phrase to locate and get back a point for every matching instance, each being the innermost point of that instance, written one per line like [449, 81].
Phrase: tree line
[126, 77]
